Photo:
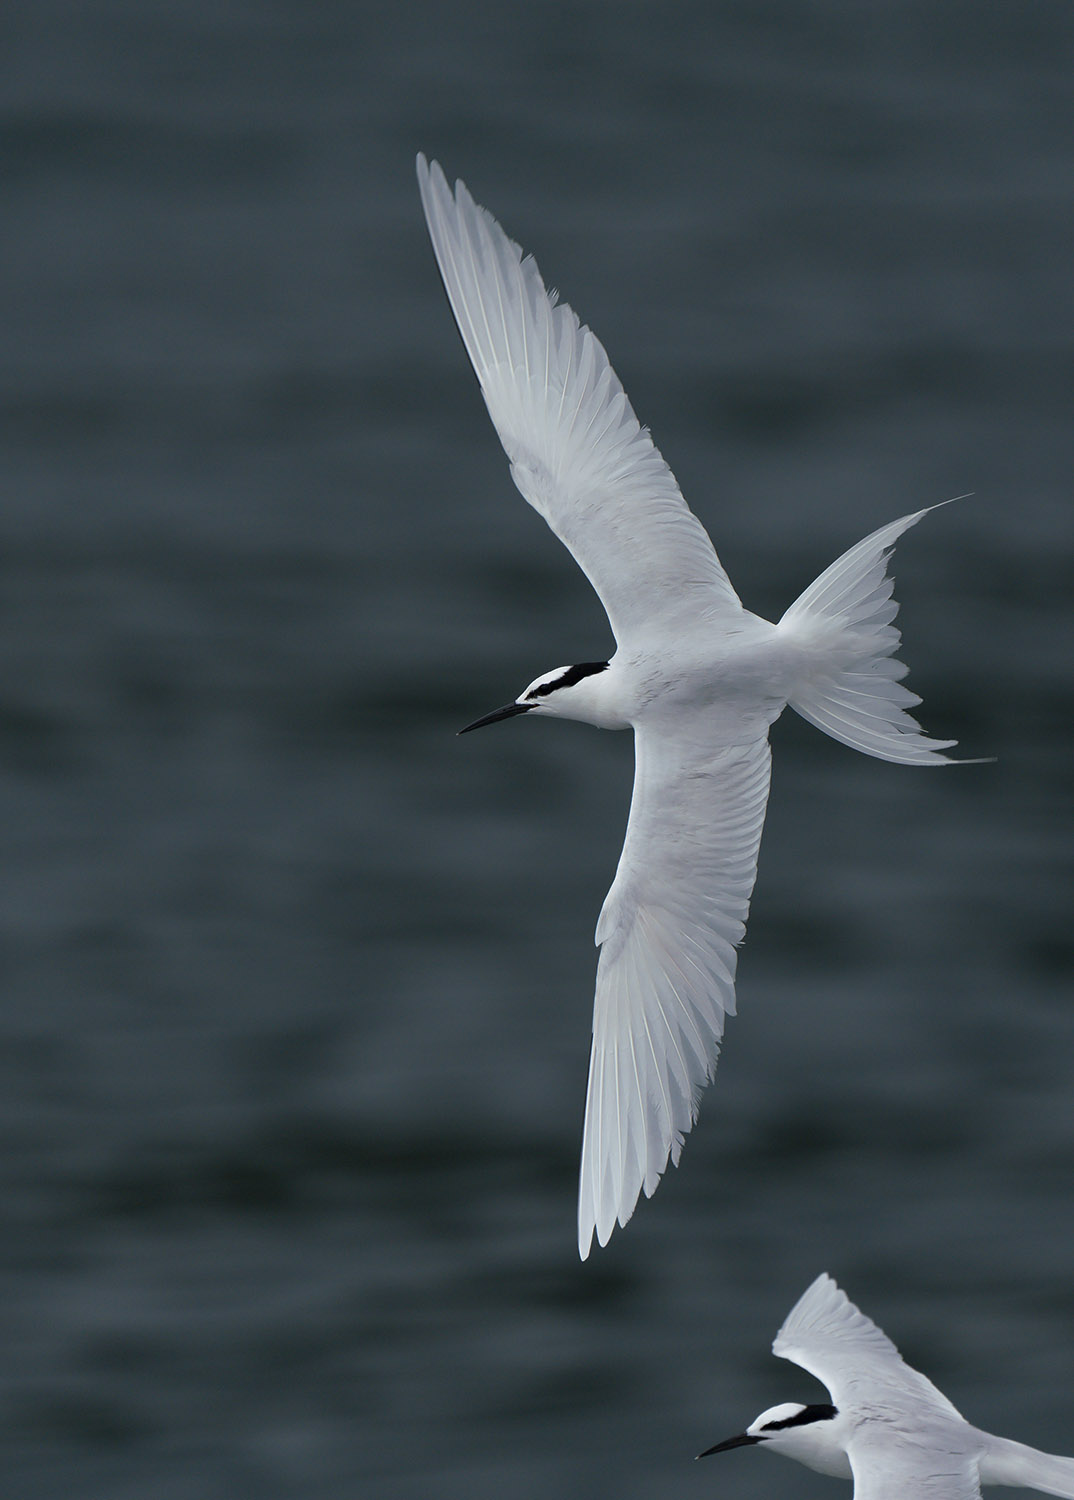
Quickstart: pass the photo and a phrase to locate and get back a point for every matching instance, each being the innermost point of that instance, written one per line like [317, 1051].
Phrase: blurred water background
[296, 985]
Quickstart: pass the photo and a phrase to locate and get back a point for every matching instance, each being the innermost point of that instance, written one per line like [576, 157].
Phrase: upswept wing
[666, 976]
[831, 1338]
[578, 453]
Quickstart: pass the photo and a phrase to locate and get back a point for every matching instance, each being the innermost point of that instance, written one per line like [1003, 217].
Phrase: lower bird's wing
[892, 1466]
[666, 976]
[831, 1338]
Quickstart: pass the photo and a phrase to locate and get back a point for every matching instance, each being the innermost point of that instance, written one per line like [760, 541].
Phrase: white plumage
[887, 1427]
[697, 677]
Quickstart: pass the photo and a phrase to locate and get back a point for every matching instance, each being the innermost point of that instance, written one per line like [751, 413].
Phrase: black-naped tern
[697, 677]
[887, 1427]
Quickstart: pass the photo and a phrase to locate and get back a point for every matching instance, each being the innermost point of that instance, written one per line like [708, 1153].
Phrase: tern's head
[565, 693]
[811, 1434]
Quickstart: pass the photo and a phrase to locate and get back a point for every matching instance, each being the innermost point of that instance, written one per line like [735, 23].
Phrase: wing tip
[426, 170]
[436, 192]
[587, 1229]
[823, 1287]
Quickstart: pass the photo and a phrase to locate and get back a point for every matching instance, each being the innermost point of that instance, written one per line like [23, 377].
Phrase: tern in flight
[696, 676]
[886, 1427]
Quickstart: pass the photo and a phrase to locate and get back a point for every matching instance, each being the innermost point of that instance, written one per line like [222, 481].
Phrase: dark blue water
[296, 986]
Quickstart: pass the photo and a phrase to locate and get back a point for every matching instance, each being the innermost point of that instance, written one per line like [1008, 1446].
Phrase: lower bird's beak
[507, 712]
[742, 1441]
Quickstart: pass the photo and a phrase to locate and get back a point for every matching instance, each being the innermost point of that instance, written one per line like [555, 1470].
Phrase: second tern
[886, 1427]
[697, 677]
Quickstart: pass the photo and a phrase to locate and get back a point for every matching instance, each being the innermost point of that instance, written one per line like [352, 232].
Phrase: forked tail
[850, 685]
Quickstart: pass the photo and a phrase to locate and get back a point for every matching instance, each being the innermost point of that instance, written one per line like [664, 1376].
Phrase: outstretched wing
[828, 1336]
[666, 976]
[891, 1466]
[577, 451]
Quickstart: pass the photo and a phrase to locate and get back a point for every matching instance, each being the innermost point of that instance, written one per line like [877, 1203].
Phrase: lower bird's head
[564, 693]
[808, 1433]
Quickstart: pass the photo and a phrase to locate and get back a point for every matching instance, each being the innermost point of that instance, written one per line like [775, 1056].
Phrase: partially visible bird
[697, 677]
[886, 1427]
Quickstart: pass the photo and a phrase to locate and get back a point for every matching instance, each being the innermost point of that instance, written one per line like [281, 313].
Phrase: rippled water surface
[296, 985]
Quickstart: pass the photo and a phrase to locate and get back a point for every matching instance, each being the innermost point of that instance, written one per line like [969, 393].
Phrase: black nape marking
[571, 676]
[820, 1411]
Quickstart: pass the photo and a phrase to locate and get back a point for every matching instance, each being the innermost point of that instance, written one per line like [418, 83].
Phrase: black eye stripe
[570, 677]
[820, 1412]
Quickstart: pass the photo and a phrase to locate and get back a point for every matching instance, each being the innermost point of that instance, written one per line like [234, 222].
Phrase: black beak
[507, 712]
[742, 1441]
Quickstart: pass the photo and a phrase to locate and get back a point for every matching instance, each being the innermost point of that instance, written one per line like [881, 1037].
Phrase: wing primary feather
[639, 1133]
[471, 245]
[506, 278]
[459, 305]
[700, 1051]
[616, 1153]
[675, 1045]
[665, 1100]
